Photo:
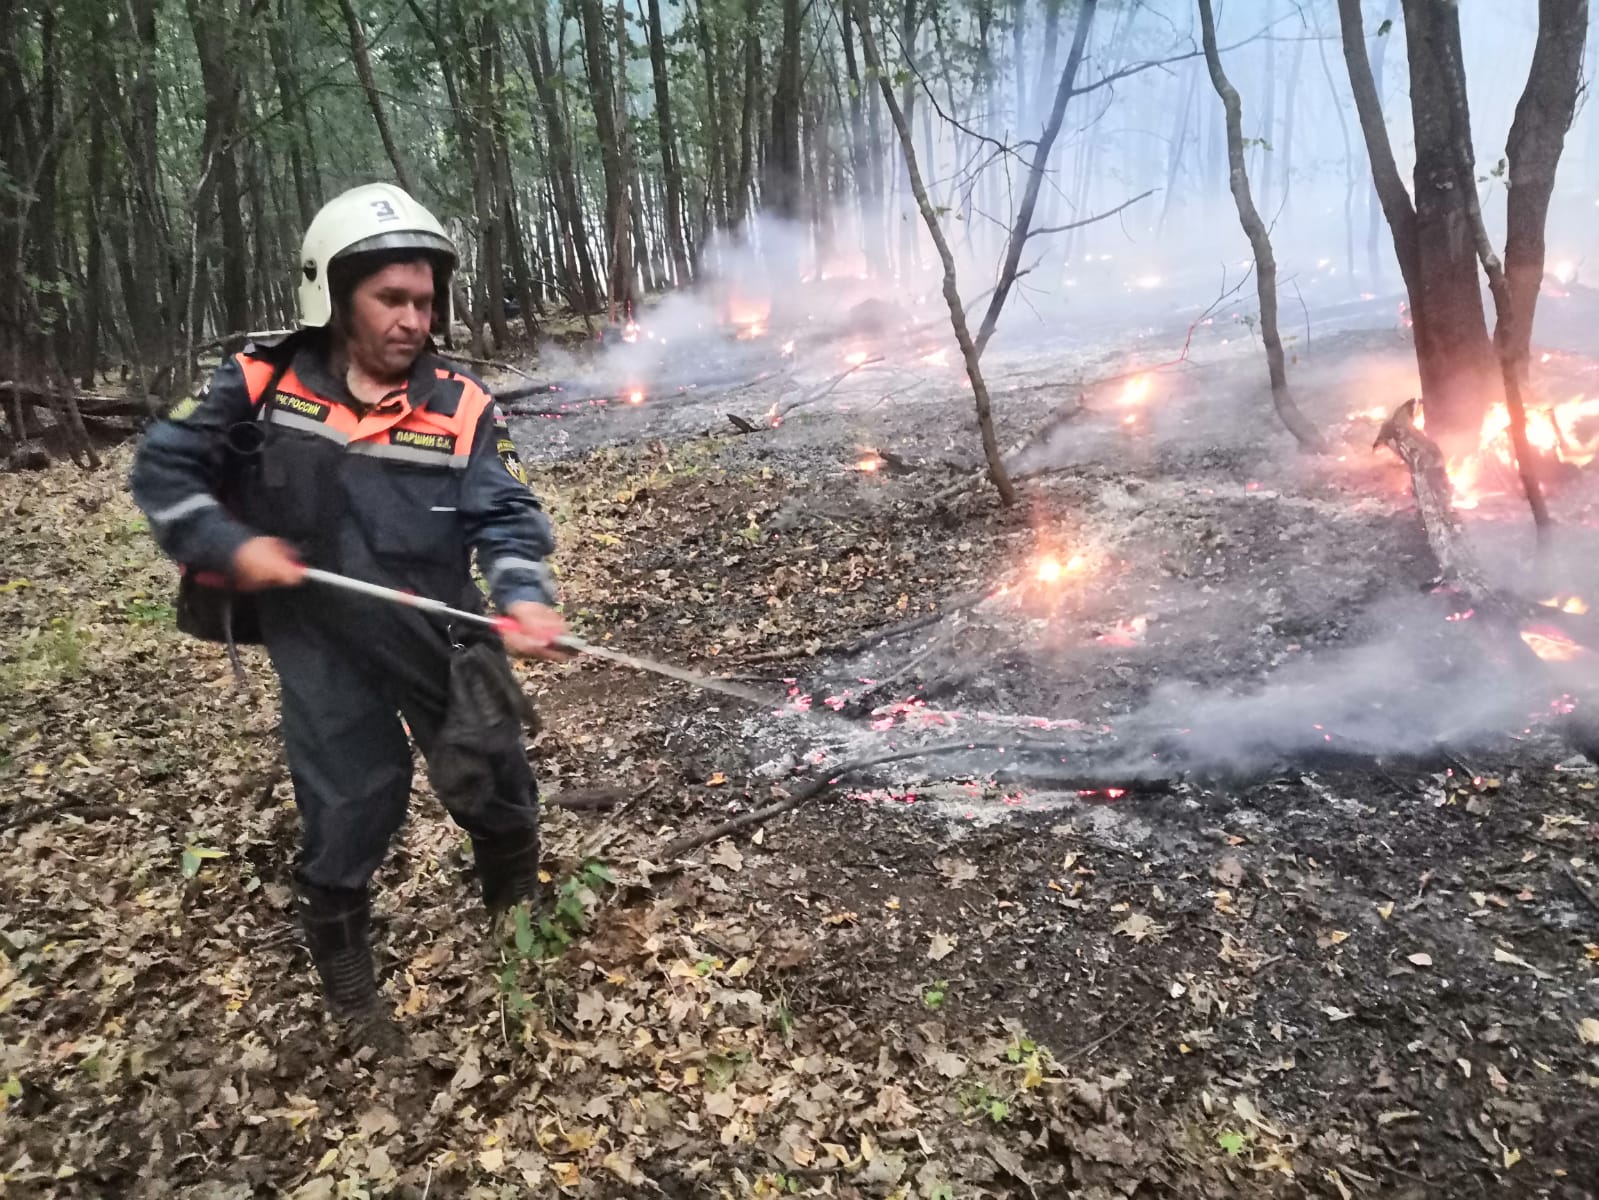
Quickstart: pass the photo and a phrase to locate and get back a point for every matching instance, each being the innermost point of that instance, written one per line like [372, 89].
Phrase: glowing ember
[856, 357]
[751, 331]
[1575, 605]
[630, 332]
[635, 397]
[1126, 633]
[1565, 271]
[869, 464]
[1550, 645]
[1136, 391]
[1049, 570]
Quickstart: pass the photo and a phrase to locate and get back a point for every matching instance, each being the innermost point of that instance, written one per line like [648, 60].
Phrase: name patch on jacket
[419, 439]
[289, 402]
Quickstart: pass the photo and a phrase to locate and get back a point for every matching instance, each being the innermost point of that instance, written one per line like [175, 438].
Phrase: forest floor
[1227, 951]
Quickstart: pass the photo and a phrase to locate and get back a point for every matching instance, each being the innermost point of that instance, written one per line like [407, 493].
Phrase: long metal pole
[503, 625]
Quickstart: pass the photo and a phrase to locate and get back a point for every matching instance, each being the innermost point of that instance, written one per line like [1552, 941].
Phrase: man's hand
[538, 627]
[266, 562]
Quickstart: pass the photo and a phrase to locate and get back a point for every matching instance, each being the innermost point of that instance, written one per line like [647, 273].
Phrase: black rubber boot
[508, 868]
[338, 926]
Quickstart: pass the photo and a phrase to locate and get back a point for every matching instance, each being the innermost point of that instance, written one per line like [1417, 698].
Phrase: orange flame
[635, 397]
[1568, 432]
[856, 357]
[1575, 605]
[869, 464]
[1049, 569]
[1136, 391]
[1550, 645]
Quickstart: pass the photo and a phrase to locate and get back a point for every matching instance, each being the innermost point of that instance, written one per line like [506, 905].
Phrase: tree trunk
[1265, 262]
[563, 189]
[670, 169]
[1537, 139]
[1375, 209]
[860, 153]
[1288, 125]
[1021, 230]
[363, 70]
[1457, 361]
[783, 169]
[746, 138]
[294, 114]
[602, 95]
[715, 160]
[957, 313]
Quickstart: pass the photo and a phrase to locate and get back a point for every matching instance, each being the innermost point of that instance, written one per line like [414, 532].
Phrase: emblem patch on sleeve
[506, 449]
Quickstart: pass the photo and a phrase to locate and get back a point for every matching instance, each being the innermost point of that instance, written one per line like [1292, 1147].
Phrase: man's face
[391, 314]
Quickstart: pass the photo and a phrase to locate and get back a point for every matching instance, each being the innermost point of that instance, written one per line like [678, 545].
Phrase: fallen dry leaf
[1421, 959]
[941, 946]
[1137, 926]
[725, 854]
[1589, 1031]
[955, 869]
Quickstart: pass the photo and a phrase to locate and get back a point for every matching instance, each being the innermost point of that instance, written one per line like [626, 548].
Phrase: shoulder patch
[506, 449]
[184, 409]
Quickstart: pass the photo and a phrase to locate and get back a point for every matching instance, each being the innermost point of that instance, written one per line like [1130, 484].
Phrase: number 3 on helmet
[365, 219]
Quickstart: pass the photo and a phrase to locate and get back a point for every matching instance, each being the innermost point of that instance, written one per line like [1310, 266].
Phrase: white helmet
[372, 217]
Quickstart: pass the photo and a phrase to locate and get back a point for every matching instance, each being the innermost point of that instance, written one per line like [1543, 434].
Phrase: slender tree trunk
[602, 95]
[957, 312]
[1021, 229]
[1376, 209]
[670, 169]
[94, 273]
[746, 139]
[715, 160]
[294, 114]
[1289, 111]
[363, 70]
[563, 188]
[860, 153]
[1265, 262]
[1537, 140]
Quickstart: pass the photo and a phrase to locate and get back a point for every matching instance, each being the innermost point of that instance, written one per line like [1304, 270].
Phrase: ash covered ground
[1278, 820]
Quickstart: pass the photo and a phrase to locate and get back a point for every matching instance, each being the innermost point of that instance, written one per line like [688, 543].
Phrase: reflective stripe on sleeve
[501, 566]
[183, 508]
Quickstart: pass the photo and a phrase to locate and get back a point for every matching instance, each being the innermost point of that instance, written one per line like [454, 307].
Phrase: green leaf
[191, 862]
[1232, 1142]
[934, 997]
[11, 1089]
[998, 1110]
[523, 930]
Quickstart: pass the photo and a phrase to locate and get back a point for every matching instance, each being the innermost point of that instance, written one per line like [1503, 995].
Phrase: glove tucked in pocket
[478, 756]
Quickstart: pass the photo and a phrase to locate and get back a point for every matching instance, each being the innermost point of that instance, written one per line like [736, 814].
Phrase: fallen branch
[781, 410]
[1429, 481]
[492, 364]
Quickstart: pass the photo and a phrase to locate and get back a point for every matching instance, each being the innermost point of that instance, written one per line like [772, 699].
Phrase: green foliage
[47, 655]
[1232, 1141]
[935, 995]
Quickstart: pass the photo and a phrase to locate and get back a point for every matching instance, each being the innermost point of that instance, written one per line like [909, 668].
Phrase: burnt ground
[1340, 940]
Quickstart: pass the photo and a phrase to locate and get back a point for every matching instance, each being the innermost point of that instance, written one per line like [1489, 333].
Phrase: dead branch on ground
[779, 411]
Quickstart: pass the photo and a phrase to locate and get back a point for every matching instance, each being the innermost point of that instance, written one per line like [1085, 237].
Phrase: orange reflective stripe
[474, 403]
[257, 375]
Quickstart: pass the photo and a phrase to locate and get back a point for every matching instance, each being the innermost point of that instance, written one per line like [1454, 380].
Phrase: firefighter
[352, 446]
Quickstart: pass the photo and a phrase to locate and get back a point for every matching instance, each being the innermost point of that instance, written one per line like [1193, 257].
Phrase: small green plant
[148, 612]
[936, 994]
[1232, 1141]
[982, 1100]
